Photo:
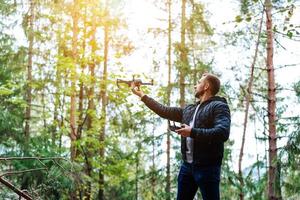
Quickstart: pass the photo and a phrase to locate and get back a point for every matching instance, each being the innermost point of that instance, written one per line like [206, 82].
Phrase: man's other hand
[135, 88]
[185, 131]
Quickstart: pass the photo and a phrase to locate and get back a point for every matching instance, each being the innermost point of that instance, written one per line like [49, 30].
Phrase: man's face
[201, 87]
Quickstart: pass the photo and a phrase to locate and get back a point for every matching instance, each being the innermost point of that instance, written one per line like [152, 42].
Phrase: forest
[70, 128]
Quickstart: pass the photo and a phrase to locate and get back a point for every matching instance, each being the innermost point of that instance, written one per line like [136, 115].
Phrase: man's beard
[198, 94]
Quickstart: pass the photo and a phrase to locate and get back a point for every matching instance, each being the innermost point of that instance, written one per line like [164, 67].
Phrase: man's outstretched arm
[171, 113]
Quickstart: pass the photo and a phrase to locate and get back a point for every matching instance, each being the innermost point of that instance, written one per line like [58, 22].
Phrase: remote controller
[173, 127]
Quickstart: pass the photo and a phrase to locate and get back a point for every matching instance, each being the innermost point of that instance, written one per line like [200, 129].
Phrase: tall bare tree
[248, 98]
[91, 105]
[183, 55]
[30, 32]
[103, 95]
[271, 104]
[153, 174]
[81, 118]
[73, 125]
[168, 181]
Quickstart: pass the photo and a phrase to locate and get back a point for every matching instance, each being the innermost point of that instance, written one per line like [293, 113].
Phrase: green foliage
[245, 6]
[238, 19]
[134, 144]
[197, 21]
[297, 90]
[291, 156]
[8, 7]
[11, 100]
[255, 181]
[229, 181]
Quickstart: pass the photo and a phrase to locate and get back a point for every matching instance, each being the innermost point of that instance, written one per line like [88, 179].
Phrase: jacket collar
[214, 98]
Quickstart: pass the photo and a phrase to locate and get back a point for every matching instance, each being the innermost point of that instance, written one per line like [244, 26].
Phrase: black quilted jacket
[211, 127]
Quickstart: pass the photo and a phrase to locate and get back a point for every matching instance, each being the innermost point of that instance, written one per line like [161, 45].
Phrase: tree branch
[13, 188]
[22, 171]
[32, 158]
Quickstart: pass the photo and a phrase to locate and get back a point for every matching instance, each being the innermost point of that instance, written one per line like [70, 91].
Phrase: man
[206, 126]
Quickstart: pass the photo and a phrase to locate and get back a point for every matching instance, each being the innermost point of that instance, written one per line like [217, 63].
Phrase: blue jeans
[206, 178]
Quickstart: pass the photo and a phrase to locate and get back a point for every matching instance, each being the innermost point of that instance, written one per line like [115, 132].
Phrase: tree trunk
[29, 73]
[81, 85]
[103, 96]
[73, 131]
[31, 17]
[192, 37]
[153, 175]
[168, 178]
[271, 105]
[44, 108]
[80, 107]
[55, 121]
[81, 119]
[91, 107]
[183, 56]
[58, 100]
[137, 163]
[248, 98]
[62, 112]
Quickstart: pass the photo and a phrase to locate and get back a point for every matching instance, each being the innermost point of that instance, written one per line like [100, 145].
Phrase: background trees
[71, 133]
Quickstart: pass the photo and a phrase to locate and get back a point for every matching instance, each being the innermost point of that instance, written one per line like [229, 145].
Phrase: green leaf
[248, 19]
[5, 91]
[289, 34]
[238, 19]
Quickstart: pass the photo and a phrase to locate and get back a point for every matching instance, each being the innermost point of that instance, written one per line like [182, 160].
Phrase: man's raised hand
[135, 88]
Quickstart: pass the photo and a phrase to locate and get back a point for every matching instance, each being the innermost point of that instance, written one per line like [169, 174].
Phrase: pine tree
[271, 104]
[30, 33]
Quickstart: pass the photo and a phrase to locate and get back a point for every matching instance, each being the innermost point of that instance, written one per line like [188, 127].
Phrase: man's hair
[213, 81]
